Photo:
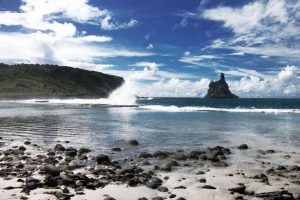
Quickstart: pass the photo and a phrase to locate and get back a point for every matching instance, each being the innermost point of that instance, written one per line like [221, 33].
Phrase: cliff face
[34, 81]
[219, 89]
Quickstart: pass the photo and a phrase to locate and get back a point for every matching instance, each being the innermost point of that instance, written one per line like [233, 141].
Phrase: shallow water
[156, 123]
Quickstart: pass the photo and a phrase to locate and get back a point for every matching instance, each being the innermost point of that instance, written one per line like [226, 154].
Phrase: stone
[240, 189]
[133, 142]
[180, 187]
[51, 182]
[31, 185]
[101, 158]
[180, 156]
[22, 148]
[162, 189]
[145, 155]
[209, 187]
[243, 147]
[153, 183]
[59, 147]
[219, 89]
[117, 149]
[157, 198]
[83, 151]
[72, 152]
[109, 198]
[52, 170]
[202, 180]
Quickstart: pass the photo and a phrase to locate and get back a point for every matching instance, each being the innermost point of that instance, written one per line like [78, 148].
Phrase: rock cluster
[58, 169]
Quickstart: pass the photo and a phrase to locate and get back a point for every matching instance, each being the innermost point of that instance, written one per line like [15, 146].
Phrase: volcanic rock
[219, 90]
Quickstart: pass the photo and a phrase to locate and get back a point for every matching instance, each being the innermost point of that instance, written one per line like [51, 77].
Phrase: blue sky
[167, 48]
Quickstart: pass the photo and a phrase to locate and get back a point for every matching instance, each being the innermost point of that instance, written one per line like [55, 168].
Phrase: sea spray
[125, 95]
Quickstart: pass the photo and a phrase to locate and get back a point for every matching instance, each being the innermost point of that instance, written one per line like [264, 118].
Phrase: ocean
[157, 123]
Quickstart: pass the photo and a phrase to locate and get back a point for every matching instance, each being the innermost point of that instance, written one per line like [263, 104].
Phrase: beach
[63, 172]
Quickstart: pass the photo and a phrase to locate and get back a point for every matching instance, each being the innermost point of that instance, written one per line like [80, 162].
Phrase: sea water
[157, 123]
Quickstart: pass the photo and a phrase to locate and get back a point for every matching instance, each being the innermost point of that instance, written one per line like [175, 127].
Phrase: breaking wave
[209, 109]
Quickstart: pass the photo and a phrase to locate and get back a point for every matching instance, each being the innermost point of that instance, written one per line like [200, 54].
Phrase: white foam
[206, 109]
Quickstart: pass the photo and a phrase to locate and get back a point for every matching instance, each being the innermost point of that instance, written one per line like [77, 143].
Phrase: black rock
[31, 179]
[66, 190]
[101, 158]
[219, 89]
[280, 167]
[202, 180]
[31, 185]
[51, 182]
[109, 198]
[22, 148]
[145, 155]
[153, 183]
[180, 156]
[157, 198]
[209, 187]
[71, 152]
[160, 154]
[142, 198]
[172, 196]
[284, 195]
[59, 147]
[162, 189]
[243, 147]
[180, 198]
[52, 170]
[27, 142]
[83, 151]
[240, 189]
[117, 149]
[180, 187]
[133, 142]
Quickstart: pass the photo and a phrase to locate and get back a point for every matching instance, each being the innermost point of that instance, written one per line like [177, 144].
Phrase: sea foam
[208, 109]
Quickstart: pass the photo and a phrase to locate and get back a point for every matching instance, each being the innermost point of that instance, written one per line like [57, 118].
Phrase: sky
[166, 47]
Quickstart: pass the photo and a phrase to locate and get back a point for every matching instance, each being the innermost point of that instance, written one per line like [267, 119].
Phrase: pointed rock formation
[219, 90]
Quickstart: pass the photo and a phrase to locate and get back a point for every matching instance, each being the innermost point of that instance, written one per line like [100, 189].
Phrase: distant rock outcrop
[219, 90]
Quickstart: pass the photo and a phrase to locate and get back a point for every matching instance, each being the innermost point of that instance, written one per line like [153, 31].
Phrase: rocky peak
[219, 89]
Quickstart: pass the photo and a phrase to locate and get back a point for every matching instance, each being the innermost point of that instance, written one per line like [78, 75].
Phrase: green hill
[34, 81]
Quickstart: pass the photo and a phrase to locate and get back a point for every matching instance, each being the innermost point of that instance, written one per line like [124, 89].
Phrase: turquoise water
[168, 123]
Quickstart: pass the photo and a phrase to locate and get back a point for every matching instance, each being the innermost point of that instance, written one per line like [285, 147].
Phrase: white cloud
[187, 53]
[48, 34]
[150, 46]
[174, 87]
[237, 54]
[285, 83]
[196, 59]
[269, 28]
[250, 16]
[48, 48]
[107, 24]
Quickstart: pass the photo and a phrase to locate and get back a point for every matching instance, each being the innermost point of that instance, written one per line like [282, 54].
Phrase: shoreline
[28, 171]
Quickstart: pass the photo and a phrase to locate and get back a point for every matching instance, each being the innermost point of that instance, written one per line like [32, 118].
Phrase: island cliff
[44, 81]
[219, 89]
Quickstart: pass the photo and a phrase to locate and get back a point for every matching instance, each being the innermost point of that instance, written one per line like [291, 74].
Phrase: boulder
[52, 170]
